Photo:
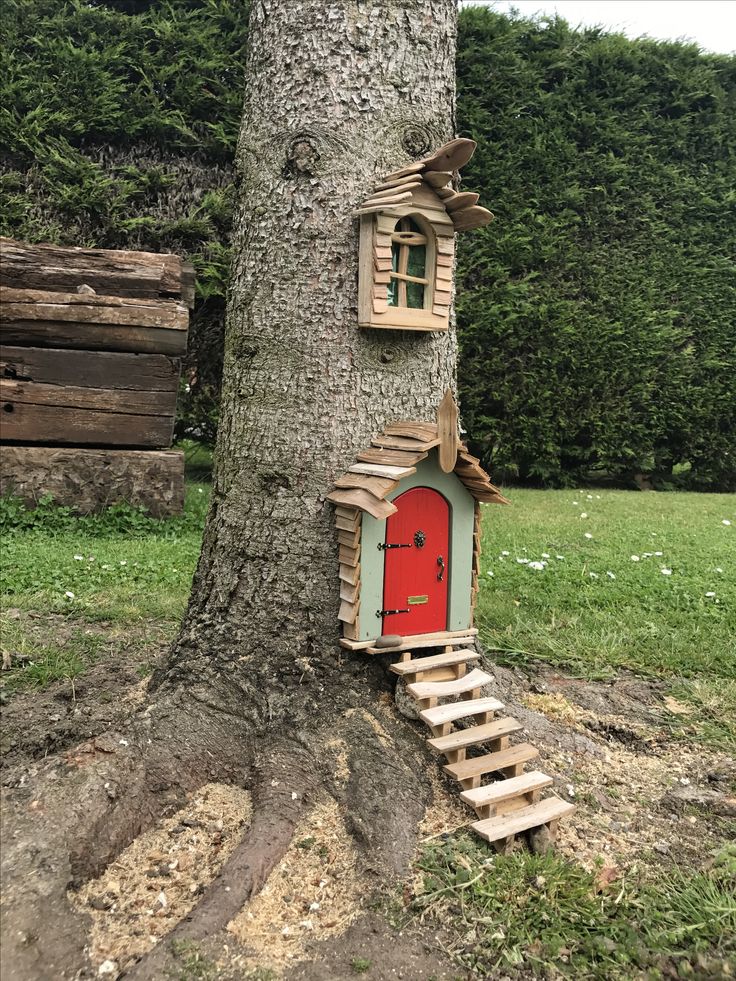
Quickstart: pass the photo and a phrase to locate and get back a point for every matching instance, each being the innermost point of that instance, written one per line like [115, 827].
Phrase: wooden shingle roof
[435, 173]
[393, 455]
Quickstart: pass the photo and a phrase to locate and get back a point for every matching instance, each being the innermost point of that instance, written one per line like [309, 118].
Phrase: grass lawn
[643, 581]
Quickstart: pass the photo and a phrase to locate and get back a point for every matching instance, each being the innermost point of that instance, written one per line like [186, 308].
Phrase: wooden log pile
[90, 359]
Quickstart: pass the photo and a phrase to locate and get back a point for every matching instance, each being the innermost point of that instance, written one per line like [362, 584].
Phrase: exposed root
[65, 820]
[283, 785]
[315, 892]
[158, 879]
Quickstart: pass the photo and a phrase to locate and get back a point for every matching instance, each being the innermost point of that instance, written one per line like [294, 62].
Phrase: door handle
[441, 564]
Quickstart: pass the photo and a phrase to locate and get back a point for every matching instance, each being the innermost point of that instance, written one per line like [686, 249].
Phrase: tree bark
[338, 94]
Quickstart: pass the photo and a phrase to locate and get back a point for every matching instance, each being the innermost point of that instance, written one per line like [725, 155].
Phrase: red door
[415, 576]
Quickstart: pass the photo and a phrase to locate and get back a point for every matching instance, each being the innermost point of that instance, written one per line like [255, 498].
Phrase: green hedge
[597, 312]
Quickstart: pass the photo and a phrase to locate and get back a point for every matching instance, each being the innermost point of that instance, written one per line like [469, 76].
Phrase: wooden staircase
[511, 803]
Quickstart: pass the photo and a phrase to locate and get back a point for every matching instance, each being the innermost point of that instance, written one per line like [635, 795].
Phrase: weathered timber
[135, 402]
[26, 422]
[88, 480]
[47, 319]
[111, 272]
[91, 369]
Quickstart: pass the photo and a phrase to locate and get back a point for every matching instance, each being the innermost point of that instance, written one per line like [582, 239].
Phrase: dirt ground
[644, 797]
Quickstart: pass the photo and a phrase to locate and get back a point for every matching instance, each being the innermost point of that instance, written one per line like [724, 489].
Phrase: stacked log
[90, 361]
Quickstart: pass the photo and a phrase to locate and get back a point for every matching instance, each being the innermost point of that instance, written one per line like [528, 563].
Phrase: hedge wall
[597, 312]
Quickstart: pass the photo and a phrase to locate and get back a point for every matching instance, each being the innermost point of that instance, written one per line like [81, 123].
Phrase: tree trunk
[338, 93]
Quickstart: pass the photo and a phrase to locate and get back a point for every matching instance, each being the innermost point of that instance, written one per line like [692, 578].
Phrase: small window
[409, 283]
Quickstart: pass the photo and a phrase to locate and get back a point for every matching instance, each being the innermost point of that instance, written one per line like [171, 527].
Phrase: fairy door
[416, 568]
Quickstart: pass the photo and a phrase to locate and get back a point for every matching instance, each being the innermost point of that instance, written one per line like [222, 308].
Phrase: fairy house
[407, 515]
[408, 520]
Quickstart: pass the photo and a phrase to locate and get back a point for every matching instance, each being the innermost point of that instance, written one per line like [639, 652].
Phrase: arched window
[409, 283]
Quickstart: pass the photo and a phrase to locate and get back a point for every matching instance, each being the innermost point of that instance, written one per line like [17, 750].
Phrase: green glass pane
[393, 286]
[417, 260]
[415, 295]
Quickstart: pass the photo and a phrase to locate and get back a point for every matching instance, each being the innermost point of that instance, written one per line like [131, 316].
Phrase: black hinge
[388, 613]
[383, 546]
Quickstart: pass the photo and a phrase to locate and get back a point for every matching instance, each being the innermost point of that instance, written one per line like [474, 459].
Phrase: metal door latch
[441, 564]
[388, 613]
[384, 545]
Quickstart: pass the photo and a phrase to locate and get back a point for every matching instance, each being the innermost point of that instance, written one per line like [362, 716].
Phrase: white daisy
[539, 566]
[79, 558]
[588, 534]
[666, 572]
[69, 594]
[710, 594]
[726, 522]
[611, 575]
[634, 558]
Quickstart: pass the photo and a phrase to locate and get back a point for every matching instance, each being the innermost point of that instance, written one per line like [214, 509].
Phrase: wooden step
[475, 735]
[438, 689]
[412, 643]
[534, 816]
[418, 665]
[503, 790]
[470, 771]
[441, 714]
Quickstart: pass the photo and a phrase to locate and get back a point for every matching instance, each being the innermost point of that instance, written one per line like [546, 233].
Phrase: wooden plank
[348, 612]
[418, 665]
[365, 271]
[437, 178]
[407, 179]
[502, 790]
[350, 574]
[415, 430]
[88, 480]
[28, 423]
[398, 318]
[433, 689]
[439, 639]
[351, 632]
[349, 593]
[344, 524]
[113, 400]
[475, 735]
[468, 218]
[455, 711]
[446, 246]
[350, 513]
[394, 193]
[349, 556]
[446, 259]
[452, 156]
[375, 470]
[413, 168]
[388, 201]
[364, 500]
[378, 486]
[492, 762]
[102, 323]
[534, 816]
[91, 369]
[349, 538]
[110, 272]
[447, 418]
[409, 443]
[394, 458]
[465, 199]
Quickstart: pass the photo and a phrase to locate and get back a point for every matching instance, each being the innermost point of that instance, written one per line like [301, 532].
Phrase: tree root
[73, 815]
[281, 791]
[67, 819]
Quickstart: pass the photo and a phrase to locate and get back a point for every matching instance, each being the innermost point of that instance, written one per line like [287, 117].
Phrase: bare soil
[643, 796]
[38, 721]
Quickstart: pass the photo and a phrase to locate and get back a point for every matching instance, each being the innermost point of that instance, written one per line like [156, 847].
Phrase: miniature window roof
[400, 189]
[395, 453]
